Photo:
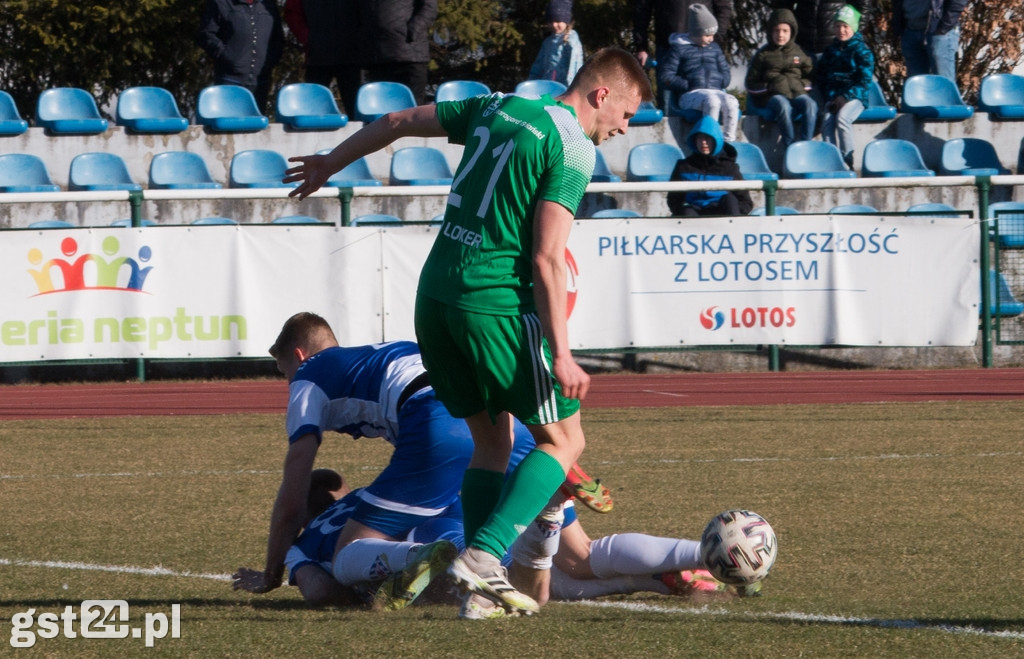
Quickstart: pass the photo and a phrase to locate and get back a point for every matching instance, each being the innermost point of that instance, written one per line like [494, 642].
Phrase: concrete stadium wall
[217, 150]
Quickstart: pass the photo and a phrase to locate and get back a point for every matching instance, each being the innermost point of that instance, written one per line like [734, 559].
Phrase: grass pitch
[898, 530]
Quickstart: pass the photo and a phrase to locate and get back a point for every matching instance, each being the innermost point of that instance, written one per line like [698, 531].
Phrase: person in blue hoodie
[844, 74]
[712, 159]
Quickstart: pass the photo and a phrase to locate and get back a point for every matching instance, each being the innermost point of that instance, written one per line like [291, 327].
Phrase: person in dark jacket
[244, 38]
[712, 160]
[670, 17]
[929, 32]
[697, 73]
[844, 75]
[815, 20]
[329, 31]
[397, 41]
[779, 78]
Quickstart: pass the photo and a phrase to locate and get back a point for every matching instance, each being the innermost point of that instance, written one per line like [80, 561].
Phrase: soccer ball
[738, 547]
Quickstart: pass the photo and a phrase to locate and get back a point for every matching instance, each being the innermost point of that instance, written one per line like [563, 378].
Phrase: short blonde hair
[615, 68]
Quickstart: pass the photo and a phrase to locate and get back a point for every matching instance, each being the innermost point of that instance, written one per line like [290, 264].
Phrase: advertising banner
[797, 280]
[224, 291]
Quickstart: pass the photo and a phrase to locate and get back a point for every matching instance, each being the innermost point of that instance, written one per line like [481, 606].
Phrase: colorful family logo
[572, 289]
[109, 270]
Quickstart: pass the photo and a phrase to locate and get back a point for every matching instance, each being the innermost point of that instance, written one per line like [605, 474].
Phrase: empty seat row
[885, 157]
[253, 168]
[371, 219]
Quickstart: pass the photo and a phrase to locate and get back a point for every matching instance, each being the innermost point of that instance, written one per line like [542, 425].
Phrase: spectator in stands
[696, 70]
[397, 43]
[929, 34]
[843, 75]
[329, 32]
[712, 160]
[814, 18]
[779, 78]
[561, 54]
[670, 16]
[244, 38]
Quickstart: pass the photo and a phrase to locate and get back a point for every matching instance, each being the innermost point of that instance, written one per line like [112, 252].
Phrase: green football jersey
[519, 151]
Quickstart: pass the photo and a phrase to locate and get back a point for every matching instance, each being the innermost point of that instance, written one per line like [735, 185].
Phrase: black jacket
[700, 167]
[397, 30]
[244, 40]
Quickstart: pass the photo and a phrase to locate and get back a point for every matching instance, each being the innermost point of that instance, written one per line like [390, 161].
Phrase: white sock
[564, 587]
[370, 559]
[639, 554]
[535, 547]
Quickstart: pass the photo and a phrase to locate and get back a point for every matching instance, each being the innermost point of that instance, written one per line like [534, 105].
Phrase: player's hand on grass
[253, 581]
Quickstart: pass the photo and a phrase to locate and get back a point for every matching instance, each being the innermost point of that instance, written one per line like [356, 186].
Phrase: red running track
[631, 390]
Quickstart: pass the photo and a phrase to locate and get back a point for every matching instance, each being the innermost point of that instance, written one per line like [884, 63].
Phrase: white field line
[159, 474]
[123, 569]
[796, 616]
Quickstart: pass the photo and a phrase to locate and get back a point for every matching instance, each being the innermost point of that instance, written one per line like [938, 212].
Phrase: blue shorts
[424, 475]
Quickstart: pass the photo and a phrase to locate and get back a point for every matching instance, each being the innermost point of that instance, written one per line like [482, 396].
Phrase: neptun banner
[224, 291]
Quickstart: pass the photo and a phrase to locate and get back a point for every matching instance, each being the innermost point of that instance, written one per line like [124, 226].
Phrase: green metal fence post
[135, 201]
[770, 190]
[984, 184]
[345, 195]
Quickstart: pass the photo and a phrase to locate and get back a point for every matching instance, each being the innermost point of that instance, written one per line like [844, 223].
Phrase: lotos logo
[572, 271]
[109, 271]
[712, 318]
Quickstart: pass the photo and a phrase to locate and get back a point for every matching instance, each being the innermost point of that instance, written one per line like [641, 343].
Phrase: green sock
[525, 494]
[481, 490]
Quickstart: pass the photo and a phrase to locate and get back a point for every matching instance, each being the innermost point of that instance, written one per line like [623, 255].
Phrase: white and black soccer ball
[738, 547]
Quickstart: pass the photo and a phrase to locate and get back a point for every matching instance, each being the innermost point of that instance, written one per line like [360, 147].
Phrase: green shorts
[485, 362]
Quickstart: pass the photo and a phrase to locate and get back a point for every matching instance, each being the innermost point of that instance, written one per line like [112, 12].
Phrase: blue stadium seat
[814, 159]
[851, 209]
[647, 114]
[419, 165]
[173, 170]
[11, 122]
[149, 110]
[752, 163]
[69, 111]
[457, 90]
[779, 210]
[297, 219]
[893, 157]
[258, 168]
[602, 174]
[229, 109]
[1009, 216]
[100, 171]
[24, 172]
[970, 156]
[936, 97]
[540, 87]
[51, 224]
[308, 106]
[653, 161]
[1004, 303]
[374, 218]
[356, 174]
[213, 221]
[375, 99]
[877, 110]
[1002, 96]
[933, 208]
[615, 212]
